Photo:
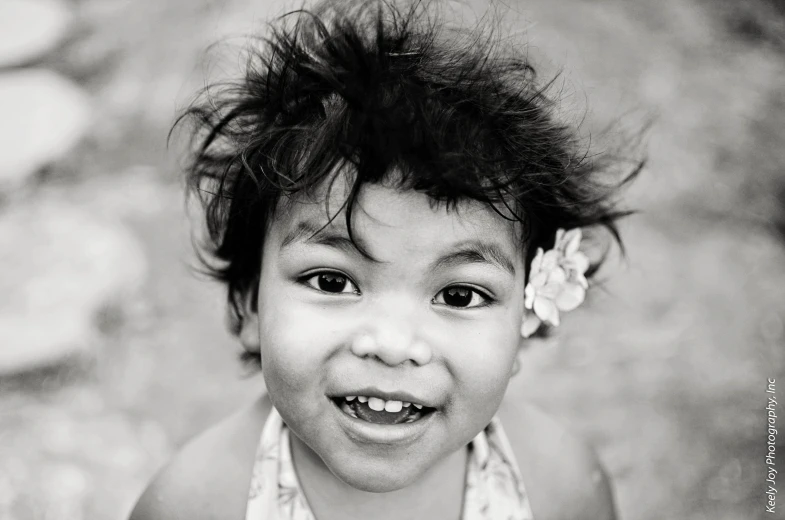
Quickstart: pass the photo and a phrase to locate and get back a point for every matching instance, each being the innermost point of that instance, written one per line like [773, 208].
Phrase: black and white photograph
[392, 259]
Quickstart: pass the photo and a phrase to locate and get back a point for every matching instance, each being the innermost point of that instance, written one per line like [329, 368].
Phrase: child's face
[332, 323]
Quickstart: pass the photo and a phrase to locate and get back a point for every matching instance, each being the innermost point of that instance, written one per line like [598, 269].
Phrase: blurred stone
[65, 480]
[31, 28]
[43, 117]
[59, 437]
[66, 485]
[8, 492]
[138, 191]
[59, 266]
[83, 400]
[154, 440]
[127, 457]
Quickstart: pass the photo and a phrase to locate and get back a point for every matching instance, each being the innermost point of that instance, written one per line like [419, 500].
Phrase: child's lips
[357, 409]
[365, 432]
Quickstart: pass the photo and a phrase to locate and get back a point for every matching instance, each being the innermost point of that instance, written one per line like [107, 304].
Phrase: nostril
[391, 348]
[420, 353]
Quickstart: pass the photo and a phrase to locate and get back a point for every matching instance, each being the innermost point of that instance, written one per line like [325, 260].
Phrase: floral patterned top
[494, 487]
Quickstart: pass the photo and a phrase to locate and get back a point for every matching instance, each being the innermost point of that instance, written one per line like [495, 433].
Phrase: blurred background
[113, 352]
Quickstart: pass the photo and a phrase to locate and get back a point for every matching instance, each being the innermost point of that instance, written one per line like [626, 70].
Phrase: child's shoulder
[562, 474]
[209, 477]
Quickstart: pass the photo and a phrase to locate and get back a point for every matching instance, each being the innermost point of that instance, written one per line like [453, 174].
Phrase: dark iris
[458, 296]
[333, 283]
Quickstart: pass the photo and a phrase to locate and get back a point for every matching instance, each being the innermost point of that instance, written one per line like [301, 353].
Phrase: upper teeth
[380, 404]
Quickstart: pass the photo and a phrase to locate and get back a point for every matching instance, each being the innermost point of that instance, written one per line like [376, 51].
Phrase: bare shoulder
[562, 474]
[209, 477]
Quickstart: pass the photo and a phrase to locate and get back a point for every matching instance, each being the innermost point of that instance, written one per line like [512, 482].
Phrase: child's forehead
[381, 210]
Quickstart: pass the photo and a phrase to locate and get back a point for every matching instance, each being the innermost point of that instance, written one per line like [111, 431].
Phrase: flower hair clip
[557, 282]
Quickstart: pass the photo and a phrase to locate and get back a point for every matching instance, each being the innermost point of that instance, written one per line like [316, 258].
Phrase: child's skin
[452, 353]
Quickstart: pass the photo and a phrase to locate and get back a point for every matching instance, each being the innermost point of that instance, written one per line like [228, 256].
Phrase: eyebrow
[475, 252]
[468, 252]
[325, 235]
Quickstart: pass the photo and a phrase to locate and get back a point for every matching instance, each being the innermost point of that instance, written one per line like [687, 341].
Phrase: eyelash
[488, 300]
[482, 294]
[304, 280]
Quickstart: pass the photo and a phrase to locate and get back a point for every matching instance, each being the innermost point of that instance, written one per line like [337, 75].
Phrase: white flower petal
[549, 290]
[572, 241]
[537, 262]
[539, 279]
[530, 325]
[529, 293]
[577, 261]
[570, 297]
[546, 310]
[557, 276]
[559, 238]
[550, 260]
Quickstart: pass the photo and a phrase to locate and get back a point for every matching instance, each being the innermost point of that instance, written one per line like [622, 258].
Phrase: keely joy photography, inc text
[771, 446]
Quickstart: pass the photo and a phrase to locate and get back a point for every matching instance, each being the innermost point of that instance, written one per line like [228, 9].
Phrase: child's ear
[248, 332]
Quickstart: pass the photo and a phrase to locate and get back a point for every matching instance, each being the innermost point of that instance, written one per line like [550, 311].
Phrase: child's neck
[438, 494]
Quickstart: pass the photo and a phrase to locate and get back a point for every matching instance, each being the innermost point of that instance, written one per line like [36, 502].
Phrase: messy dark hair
[400, 98]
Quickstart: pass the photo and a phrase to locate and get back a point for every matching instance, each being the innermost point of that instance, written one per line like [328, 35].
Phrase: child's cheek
[482, 356]
[297, 340]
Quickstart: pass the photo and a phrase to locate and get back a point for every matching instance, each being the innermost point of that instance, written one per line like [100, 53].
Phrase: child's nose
[392, 347]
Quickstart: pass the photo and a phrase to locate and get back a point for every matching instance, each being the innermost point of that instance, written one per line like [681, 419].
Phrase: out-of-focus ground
[664, 372]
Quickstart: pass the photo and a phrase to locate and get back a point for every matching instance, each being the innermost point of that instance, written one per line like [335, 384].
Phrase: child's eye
[331, 282]
[462, 296]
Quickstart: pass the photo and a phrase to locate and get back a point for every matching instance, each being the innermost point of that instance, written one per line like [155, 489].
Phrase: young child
[386, 202]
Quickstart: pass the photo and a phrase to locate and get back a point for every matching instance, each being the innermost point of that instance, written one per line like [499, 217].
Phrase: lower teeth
[348, 409]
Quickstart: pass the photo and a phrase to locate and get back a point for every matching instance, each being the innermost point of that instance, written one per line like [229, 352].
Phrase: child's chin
[380, 485]
[376, 481]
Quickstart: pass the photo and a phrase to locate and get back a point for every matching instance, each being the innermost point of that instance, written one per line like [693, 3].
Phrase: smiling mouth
[378, 411]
